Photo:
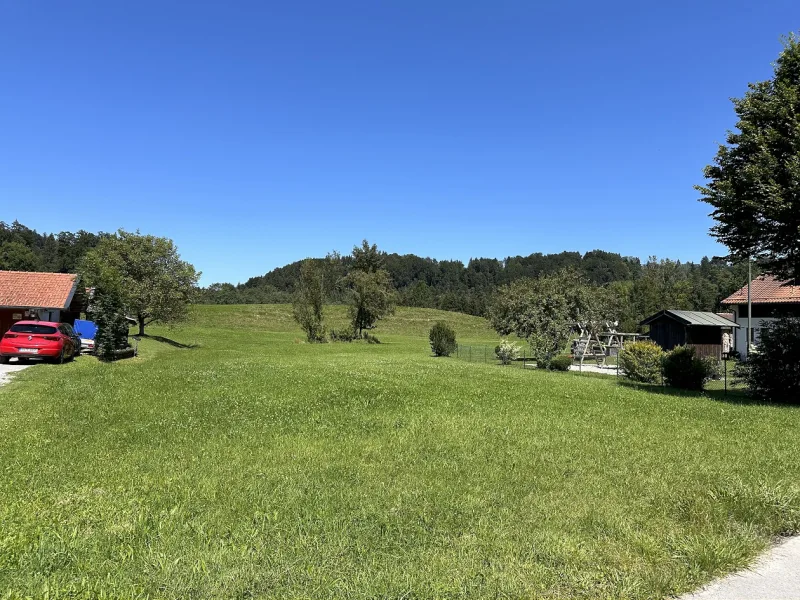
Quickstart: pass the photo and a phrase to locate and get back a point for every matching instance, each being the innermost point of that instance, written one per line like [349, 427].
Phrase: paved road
[6, 370]
[775, 576]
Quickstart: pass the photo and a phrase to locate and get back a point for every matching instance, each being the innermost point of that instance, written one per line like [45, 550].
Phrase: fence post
[725, 366]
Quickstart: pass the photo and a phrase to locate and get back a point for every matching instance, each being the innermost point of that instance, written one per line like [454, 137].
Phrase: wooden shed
[703, 330]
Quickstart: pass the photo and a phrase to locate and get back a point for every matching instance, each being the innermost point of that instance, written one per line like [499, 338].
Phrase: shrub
[371, 339]
[347, 334]
[683, 369]
[713, 367]
[443, 339]
[641, 361]
[773, 372]
[562, 362]
[112, 328]
[507, 351]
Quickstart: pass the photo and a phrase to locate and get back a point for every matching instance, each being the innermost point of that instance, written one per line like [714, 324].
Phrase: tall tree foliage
[754, 183]
[546, 311]
[307, 306]
[25, 249]
[369, 286]
[147, 274]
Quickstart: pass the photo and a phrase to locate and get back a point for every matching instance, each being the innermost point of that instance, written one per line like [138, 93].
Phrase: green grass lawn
[254, 466]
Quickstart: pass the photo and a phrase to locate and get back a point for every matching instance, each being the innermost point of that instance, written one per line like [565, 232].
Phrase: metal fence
[484, 353]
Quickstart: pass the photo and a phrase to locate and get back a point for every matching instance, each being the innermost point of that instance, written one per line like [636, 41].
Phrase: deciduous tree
[370, 289]
[307, 306]
[754, 183]
[146, 272]
[545, 311]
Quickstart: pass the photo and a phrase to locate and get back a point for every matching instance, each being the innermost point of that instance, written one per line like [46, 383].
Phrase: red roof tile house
[42, 296]
[771, 299]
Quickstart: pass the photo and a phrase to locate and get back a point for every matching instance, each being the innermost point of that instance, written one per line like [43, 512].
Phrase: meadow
[231, 460]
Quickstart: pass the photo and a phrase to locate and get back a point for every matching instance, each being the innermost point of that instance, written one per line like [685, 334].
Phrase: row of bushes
[347, 334]
[646, 362]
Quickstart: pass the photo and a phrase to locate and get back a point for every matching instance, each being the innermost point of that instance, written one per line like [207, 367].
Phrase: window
[32, 328]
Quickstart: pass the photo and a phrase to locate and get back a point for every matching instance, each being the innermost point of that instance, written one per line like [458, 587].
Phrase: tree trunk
[140, 318]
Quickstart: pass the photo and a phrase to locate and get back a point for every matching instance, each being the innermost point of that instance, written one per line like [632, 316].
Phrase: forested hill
[641, 289]
[24, 249]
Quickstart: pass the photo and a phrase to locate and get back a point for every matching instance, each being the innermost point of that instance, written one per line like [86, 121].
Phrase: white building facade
[770, 298]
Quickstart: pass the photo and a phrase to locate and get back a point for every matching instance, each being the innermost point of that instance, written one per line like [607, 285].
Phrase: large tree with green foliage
[754, 183]
[545, 311]
[16, 256]
[309, 298]
[146, 272]
[369, 287]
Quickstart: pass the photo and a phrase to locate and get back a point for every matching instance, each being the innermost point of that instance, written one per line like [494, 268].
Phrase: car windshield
[40, 329]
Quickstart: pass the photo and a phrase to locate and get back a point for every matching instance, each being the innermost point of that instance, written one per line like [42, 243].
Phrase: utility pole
[749, 302]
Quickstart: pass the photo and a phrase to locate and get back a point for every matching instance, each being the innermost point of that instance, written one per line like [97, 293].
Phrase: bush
[641, 361]
[346, 334]
[562, 362]
[684, 370]
[773, 372]
[371, 339]
[112, 328]
[443, 339]
[507, 351]
[714, 367]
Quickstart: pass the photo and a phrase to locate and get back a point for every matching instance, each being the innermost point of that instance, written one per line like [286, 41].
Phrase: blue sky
[258, 133]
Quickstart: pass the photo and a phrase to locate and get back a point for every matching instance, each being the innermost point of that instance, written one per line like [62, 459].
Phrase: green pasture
[232, 460]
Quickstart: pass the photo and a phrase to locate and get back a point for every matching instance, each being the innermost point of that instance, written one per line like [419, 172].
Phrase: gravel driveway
[6, 370]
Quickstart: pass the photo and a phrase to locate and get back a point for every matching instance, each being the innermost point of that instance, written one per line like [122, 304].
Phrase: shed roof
[24, 289]
[766, 289]
[692, 317]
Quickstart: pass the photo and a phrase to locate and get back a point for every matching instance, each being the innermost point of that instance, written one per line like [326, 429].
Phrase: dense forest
[640, 289]
[24, 249]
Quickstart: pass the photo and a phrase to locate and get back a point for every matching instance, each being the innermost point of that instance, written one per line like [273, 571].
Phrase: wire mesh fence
[484, 353]
[724, 381]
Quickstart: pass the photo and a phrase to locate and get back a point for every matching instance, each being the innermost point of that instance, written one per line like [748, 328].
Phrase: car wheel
[4, 360]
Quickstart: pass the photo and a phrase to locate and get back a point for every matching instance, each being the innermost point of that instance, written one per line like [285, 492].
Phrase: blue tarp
[86, 330]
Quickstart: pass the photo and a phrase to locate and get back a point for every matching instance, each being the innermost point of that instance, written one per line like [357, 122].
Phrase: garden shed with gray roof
[703, 330]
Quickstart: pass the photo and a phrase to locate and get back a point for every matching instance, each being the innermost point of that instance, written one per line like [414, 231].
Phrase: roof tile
[766, 289]
[21, 289]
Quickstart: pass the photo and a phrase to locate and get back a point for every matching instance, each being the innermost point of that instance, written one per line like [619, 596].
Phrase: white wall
[741, 333]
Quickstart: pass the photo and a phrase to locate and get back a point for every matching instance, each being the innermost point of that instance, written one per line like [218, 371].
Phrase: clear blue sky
[258, 133]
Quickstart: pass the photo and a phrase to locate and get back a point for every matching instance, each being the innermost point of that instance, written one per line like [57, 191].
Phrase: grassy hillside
[277, 318]
[252, 466]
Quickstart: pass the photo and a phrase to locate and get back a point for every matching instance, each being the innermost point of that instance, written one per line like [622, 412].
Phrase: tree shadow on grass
[732, 396]
[164, 340]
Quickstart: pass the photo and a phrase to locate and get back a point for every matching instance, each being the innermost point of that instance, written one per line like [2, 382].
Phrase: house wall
[9, 316]
[762, 313]
[667, 333]
[699, 334]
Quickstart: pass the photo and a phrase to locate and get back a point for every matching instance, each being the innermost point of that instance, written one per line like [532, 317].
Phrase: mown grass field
[253, 466]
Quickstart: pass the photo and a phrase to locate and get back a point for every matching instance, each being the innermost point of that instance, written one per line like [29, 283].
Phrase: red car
[39, 339]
